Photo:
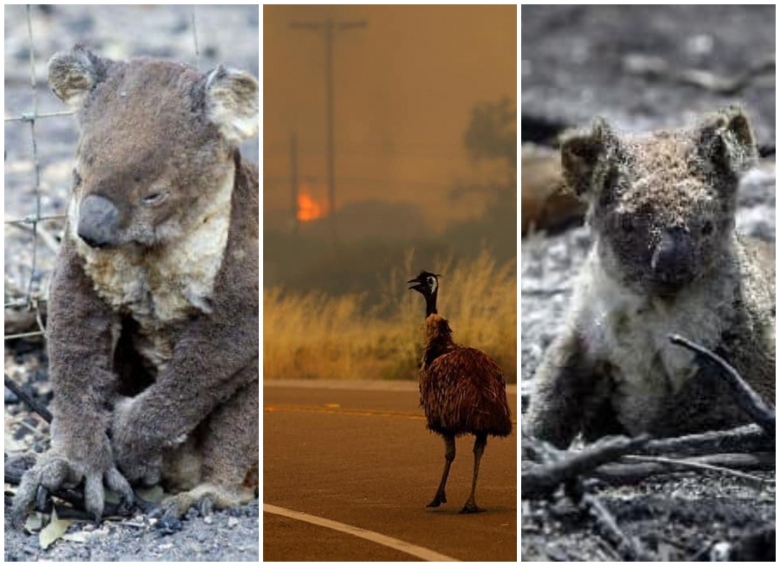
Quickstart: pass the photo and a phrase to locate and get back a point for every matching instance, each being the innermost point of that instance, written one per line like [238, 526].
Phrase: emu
[462, 390]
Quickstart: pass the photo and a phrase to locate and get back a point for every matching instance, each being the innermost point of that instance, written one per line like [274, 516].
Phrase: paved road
[359, 454]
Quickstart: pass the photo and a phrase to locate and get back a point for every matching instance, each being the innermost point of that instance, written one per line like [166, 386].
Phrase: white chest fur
[160, 286]
[631, 332]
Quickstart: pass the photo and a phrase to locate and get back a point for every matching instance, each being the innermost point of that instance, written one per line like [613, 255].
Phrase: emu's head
[427, 284]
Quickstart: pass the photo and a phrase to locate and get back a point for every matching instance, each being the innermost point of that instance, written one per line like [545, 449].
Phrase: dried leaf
[33, 523]
[78, 536]
[53, 531]
[152, 494]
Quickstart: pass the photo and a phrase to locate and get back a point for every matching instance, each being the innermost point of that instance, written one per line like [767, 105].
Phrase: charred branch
[747, 399]
[561, 466]
[34, 405]
[744, 439]
[632, 473]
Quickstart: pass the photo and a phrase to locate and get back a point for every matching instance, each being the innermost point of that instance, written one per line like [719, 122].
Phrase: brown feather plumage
[462, 390]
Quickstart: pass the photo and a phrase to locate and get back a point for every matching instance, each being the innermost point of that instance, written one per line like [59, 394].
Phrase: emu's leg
[449, 456]
[479, 449]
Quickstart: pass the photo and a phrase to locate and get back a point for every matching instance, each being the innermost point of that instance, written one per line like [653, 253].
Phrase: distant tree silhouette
[492, 132]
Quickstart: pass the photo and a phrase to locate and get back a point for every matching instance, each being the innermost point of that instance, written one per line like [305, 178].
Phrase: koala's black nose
[98, 222]
[672, 261]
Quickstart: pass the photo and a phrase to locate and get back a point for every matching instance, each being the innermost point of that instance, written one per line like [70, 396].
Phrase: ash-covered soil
[645, 67]
[230, 535]
[225, 34]
[681, 518]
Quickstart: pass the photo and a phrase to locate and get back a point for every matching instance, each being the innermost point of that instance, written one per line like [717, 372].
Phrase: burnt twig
[627, 474]
[629, 548]
[700, 466]
[27, 399]
[747, 399]
[560, 466]
[743, 439]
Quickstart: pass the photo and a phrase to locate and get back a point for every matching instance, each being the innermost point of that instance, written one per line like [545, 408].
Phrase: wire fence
[32, 300]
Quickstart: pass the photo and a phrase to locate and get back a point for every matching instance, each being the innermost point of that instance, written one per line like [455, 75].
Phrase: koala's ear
[232, 103]
[73, 74]
[726, 139]
[581, 152]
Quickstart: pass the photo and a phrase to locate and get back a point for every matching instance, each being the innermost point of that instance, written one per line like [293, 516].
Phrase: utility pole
[330, 28]
[294, 181]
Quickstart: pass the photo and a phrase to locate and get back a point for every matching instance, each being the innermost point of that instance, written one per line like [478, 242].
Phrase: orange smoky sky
[404, 88]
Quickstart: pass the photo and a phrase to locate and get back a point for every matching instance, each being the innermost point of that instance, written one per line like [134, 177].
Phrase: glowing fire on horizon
[309, 208]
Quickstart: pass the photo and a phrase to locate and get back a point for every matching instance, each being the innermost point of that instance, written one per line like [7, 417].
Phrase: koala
[665, 259]
[152, 330]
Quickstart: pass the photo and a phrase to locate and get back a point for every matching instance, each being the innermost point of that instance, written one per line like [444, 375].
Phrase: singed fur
[152, 333]
[665, 260]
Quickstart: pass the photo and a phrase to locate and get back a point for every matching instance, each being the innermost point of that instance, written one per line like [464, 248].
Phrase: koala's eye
[155, 198]
[609, 188]
[707, 229]
[611, 180]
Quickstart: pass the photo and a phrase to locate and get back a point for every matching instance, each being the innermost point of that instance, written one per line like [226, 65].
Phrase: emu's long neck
[438, 338]
[430, 303]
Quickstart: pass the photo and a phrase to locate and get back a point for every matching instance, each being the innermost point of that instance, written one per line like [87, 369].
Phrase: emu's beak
[418, 285]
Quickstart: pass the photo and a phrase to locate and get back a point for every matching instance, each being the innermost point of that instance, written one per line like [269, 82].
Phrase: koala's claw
[54, 472]
[41, 499]
[205, 506]
[169, 523]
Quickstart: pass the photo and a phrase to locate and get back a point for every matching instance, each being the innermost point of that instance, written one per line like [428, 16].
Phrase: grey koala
[665, 259]
[153, 306]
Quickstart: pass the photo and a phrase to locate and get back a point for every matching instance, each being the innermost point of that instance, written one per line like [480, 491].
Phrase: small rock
[232, 522]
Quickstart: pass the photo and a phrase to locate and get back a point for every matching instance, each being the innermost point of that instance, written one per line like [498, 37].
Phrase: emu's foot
[438, 499]
[471, 507]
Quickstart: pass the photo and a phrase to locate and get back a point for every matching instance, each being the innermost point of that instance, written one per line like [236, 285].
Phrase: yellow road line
[390, 542]
[331, 410]
[341, 411]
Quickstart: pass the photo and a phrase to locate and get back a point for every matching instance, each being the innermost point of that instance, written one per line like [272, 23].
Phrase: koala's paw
[206, 497]
[137, 462]
[55, 471]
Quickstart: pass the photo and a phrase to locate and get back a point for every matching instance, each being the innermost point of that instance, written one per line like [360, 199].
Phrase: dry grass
[318, 336]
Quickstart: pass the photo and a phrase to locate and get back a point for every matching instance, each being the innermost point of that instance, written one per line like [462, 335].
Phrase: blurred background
[389, 146]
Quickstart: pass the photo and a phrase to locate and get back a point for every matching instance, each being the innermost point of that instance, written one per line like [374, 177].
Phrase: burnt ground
[632, 65]
[227, 34]
[576, 62]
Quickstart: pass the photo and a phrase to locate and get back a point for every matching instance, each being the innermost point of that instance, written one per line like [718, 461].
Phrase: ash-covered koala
[665, 259]
[153, 305]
